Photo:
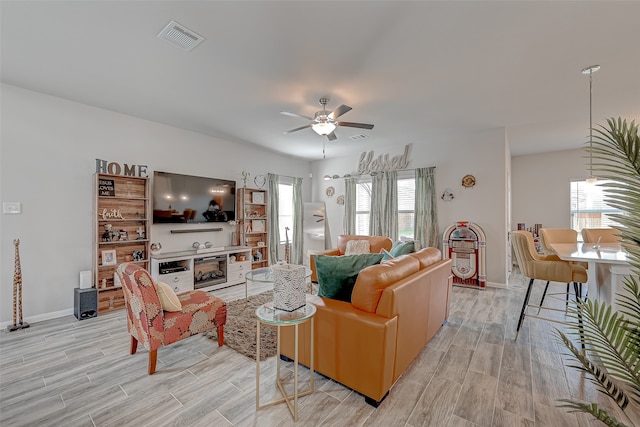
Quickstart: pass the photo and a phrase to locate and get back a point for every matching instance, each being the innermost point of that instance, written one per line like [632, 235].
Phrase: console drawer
[179, 282]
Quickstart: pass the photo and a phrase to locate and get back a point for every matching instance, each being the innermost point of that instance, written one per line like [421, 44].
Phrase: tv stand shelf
[207, 271]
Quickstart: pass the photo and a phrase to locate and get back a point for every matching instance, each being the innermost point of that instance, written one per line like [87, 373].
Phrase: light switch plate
[11, 207]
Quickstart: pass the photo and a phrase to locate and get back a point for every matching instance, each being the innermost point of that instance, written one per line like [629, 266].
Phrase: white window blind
[285, 206]
[406, 206]
[588, 205]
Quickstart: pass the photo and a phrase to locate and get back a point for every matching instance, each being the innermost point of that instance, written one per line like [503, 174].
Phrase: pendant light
[590, 70]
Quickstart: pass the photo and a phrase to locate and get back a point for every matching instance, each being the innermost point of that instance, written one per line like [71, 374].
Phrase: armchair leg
[221, 335]
[524, 308]
[543, 295]
[134, 345]
[153, 358]
[566, 301]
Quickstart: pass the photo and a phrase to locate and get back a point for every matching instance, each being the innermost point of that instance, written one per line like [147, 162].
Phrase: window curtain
[349, 224]
[384, 205]
[298, 211]
[426, 216]
[274, 214]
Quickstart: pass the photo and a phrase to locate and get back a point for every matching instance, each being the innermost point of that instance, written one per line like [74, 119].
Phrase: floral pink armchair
[154, 327]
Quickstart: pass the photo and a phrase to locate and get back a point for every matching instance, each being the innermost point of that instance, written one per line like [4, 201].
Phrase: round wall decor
[330, 191]
[340, 200]
[468, 181]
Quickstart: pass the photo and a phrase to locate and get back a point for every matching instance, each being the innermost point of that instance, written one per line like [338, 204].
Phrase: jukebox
[464, 243]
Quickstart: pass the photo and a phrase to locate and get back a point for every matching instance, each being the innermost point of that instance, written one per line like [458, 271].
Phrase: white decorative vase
[289, 287]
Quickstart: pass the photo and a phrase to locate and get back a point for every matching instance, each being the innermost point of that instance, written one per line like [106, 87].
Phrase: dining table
[608, 265]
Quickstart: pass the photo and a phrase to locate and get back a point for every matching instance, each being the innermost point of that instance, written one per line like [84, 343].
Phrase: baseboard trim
[41, 317]
[497, 285]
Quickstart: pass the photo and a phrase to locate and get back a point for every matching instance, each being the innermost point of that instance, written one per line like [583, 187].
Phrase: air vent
[180, 36]
[359, 137]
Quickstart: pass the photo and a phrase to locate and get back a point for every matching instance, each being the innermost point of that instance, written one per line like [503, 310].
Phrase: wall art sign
[383, 162]
[113, 168]
[106, 187]
[112, 213]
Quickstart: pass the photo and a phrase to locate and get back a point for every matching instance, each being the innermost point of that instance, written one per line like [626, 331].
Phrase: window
[363, 207]
[406, 206]
[588, 206]
[285, 206]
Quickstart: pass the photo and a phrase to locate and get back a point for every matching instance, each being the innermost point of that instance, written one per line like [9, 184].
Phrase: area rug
[240, 329]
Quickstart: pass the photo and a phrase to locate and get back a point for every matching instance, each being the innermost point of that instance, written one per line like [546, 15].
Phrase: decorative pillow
[402, 248]
[168, 299]
[337, 274]
[386, 255]
[355, 247]
[416, 243]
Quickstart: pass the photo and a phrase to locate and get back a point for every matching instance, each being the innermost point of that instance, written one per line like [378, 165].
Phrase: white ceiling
[420, 71]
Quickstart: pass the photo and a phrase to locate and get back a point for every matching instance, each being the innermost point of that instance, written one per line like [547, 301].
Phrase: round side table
[280, 318]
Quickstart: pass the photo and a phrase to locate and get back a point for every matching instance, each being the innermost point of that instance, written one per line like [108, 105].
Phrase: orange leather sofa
[376, 245]
[396, 308]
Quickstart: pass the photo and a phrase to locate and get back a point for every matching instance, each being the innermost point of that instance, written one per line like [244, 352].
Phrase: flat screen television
[192, 199]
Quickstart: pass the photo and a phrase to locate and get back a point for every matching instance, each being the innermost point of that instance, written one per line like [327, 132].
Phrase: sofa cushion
[337, 274]
[377, 243]
[372, 280]
[355, 247]
[399, 248]
[427, 256]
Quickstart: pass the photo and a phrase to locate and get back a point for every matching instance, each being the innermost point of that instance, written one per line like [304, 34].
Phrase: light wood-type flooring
[65, 372]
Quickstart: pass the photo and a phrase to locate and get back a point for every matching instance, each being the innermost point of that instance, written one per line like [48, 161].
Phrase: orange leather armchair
[376, 245]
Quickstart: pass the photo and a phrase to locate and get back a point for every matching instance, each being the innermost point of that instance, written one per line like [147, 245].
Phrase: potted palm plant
[612, 338]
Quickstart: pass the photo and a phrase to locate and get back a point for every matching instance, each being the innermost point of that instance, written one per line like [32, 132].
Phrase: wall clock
[468, 181]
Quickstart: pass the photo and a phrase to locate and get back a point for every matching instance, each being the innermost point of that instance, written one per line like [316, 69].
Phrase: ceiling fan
[324, 122]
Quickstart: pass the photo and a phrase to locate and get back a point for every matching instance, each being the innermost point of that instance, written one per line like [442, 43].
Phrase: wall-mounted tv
[192, 199]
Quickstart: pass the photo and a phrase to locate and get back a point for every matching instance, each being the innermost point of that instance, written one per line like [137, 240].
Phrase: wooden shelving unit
[121, 233]
[254, 224]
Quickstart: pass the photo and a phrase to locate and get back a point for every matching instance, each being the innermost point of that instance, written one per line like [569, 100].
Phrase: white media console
[205, 270]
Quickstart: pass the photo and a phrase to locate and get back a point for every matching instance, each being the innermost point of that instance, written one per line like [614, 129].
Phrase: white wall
[47, 157]
[540, 187]
[485, 204]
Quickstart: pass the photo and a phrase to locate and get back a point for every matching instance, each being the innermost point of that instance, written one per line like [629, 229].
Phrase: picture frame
[257, 225]
[257, 197]
[109, 257]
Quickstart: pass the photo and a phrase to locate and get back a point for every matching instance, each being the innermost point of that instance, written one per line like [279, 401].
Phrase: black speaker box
[85, 303]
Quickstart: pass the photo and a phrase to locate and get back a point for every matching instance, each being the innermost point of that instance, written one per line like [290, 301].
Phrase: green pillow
[337, 274]
[400, 248]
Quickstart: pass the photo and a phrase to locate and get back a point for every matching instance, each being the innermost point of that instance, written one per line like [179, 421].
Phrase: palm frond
[611, 338]
[593, 409]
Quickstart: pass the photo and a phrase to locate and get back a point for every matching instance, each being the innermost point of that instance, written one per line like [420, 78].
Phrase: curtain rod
[329, 177]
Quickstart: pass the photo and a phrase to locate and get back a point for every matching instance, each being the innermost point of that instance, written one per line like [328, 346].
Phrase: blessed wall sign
[113, 168]
[368, 164]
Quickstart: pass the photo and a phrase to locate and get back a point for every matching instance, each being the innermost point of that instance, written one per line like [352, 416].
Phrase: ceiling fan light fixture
[323, 128]
[326, 177]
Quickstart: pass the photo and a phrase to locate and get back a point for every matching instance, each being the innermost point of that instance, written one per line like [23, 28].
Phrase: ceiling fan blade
[332, 136]
[286, 113]
[339, 111]
[356, 125]
[297, 129]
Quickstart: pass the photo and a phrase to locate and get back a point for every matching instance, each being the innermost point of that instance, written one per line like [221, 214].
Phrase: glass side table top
[267, 314]
[265, 274]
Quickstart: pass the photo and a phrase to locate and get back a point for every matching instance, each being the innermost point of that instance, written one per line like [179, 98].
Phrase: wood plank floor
[473, 373]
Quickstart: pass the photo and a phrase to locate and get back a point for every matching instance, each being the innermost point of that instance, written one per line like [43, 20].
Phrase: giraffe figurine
[17, 293]
[287, 247]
